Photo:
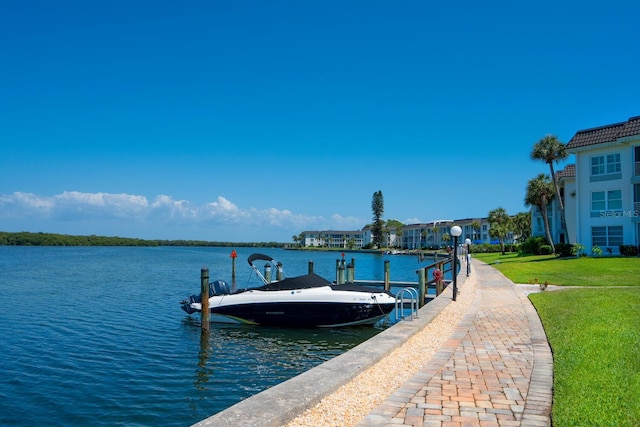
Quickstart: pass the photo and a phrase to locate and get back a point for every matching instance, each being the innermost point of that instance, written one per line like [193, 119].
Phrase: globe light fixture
[456, 231]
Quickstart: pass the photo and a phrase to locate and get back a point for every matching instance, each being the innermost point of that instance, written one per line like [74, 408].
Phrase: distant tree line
[49, 239]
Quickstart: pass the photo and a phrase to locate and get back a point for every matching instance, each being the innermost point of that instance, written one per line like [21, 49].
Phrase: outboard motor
[219, 287]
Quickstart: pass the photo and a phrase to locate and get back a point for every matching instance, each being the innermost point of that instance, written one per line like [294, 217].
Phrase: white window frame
[607, 200]
[608, 236]
[606, 164]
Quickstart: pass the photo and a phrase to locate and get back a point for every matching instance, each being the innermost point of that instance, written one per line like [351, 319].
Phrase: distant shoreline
[24, 238]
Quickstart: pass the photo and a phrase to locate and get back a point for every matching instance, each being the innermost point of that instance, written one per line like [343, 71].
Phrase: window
[606, 165]
[614, 200]
[606, 200]
[606, 236]
[597, 165]
[613, 163]
[615, 236]
[598, 202]
[599, 236]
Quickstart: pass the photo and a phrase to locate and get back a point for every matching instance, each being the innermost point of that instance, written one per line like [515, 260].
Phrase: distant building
[430, 235]
[333, 239]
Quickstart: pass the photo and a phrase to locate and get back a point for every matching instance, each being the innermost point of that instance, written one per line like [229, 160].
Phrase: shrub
[628, 250]
[545, 250]
[564, 249]
[578, 250]
[532, 245]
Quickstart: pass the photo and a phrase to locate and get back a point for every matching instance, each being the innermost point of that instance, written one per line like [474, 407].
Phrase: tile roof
[568, 172]
[608, 133]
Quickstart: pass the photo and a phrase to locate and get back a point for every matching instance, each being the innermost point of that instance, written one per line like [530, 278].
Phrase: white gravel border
[356, 399]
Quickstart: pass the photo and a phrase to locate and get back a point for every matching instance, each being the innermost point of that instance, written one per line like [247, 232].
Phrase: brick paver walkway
[496, 369]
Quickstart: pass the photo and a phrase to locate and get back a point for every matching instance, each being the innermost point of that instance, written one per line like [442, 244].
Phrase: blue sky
[257, 120]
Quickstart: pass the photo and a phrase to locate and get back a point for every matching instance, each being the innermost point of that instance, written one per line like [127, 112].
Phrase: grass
[594, 334]
[595, 338]
[582, 271]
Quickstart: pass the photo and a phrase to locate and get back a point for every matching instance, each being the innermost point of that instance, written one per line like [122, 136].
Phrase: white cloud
[163, 213]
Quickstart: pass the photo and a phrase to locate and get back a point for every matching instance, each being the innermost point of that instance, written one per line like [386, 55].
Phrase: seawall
[282, 403]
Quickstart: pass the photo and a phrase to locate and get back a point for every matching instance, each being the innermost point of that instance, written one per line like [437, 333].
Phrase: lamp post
[467, 242]
[455, 232]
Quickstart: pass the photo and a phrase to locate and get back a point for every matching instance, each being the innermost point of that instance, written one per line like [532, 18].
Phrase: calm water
[95, 336]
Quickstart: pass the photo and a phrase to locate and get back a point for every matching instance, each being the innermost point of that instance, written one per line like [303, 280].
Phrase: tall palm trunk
[563, 221]
[547, 229]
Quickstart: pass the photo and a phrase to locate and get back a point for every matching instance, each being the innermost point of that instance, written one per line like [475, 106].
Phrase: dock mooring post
[421, 286]
[350, 274]
[387, 280]
[233, 256]
[267, 273]
[310, 266]
[204, 298]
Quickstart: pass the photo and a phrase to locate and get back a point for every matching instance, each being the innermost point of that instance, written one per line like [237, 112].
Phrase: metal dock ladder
[413, 298]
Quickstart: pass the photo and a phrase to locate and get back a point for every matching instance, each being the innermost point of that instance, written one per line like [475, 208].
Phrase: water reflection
[256, 357]
[203, 372]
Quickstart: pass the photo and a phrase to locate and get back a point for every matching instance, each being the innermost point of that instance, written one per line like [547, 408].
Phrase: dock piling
[204, 298]
[386, 276]
[267, 273]
[421, 286]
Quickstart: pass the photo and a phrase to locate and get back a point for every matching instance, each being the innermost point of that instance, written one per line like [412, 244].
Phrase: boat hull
[316, 307]
[320, 314]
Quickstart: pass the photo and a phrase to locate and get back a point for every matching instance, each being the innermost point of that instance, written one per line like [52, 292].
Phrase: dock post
[233, 256]
[386, 276]
[341, 274]
[337, 271]
[310, 266]
[267, 273]
[204, 298]
[278, 271]
[350, 275]
[421, 286]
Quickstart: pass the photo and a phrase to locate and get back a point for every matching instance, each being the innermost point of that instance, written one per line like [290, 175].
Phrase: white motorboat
[302, 301]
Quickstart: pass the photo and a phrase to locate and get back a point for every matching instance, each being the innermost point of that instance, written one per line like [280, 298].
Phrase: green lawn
[582, 271]
[594, 334]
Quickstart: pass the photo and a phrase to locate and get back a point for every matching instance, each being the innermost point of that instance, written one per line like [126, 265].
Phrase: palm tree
[540, 192]
[550, 150]
[436, 240]
[499, 222]
[522, 225]
[475, 225]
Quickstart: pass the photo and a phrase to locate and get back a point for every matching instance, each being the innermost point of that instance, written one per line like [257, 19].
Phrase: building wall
[570, 195]
[590, 212]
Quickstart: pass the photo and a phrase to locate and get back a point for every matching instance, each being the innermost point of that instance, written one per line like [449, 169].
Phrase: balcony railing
[636, 171]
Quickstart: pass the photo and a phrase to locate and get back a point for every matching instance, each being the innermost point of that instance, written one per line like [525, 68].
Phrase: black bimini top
[300, 282]
[314, 281]
[255, 257]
